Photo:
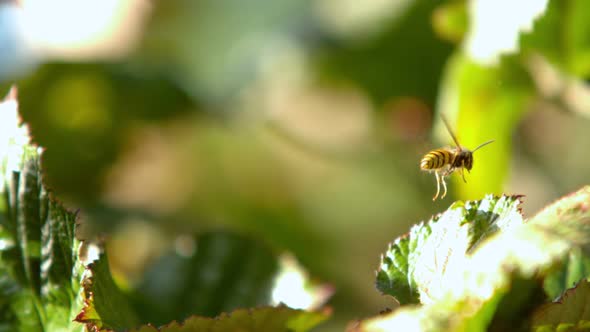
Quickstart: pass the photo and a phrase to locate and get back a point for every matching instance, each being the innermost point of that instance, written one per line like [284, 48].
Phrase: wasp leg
[463, 175]
[437, 186]
[444, 186]
[449, 171]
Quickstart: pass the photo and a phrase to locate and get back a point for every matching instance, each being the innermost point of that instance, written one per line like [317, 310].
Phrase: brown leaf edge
[88, 314]
[93, 322]
[540, 313]
[92, 325]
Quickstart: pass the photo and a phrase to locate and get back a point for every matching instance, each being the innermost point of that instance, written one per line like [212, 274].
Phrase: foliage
[496, 282]
[201, 142]
[51, 281]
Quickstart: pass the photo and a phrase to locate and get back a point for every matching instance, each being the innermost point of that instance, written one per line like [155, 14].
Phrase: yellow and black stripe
[436, 159]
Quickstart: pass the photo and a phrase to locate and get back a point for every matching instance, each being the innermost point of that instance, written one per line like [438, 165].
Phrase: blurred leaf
[485, 103]
[450, 20]
[413, 269]
[575, 268]
[226, 272]
[561, 35]
[516, 304]
[487, 275]
[248, 320]
[571, 311]
[80, 114]
[105, 306]
[213, 47]
[243, 182]
[405, 60]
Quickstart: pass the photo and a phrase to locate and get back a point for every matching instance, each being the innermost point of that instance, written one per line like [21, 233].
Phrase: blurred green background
[299, 123]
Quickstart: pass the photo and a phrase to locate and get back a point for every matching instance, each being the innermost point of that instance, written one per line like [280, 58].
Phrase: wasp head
[464, 159]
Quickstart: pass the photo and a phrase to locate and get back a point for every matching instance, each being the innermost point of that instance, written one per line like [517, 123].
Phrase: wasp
[444, 161]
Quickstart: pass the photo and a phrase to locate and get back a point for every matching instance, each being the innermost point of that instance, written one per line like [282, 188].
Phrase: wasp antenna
[444, 119]
[483, 144]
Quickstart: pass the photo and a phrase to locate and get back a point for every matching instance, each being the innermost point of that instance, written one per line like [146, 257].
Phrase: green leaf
[394, 274]
[483, 103]
[105, 306]
[248, 320]
[575, 267]
[484, 281]
[226, 272]
[572, 309]
[413, 270]
[39, 275]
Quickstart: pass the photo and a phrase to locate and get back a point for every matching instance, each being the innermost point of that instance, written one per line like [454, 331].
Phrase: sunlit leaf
[420, 266]
[526, 252]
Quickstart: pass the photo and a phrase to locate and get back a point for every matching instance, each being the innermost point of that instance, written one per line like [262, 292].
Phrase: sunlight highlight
[82, 28]
[359, 19]
[290, 286]
[293, 288]
[88, 253]
[13, 136]
[496, 26]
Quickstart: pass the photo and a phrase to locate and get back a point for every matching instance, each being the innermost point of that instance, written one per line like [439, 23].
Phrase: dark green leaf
[105, 305]
[575, 267]
[28, 220]
[226, 272]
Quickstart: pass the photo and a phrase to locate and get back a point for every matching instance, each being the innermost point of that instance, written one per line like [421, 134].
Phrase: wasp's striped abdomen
[436, 159]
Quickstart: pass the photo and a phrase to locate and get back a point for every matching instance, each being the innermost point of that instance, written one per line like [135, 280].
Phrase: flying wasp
[444, 161]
